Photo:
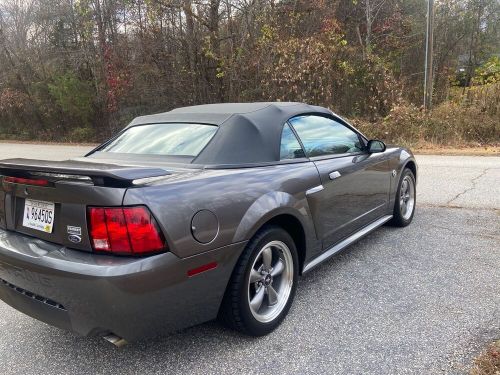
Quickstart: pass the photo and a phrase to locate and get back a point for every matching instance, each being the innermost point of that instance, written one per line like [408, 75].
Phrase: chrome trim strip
[315, 189]
[343, 244]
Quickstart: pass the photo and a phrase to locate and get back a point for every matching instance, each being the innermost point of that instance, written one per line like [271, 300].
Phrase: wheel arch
[412, 166]
[295, 229]
[407, 160]
[292, 224]
[286, 211]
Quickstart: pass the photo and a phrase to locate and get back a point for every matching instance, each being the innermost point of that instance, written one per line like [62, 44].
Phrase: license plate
[38, 215]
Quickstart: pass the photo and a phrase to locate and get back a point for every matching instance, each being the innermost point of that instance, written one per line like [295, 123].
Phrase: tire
[405, 200]
[251, 283]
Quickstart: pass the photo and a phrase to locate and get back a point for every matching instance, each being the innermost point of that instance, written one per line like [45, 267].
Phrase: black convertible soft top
[248, 133]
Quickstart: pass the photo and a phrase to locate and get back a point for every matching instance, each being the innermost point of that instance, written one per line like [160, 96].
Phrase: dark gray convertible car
[203, 211]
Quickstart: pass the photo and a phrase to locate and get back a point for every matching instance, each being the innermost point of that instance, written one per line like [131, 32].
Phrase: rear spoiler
[100, 174]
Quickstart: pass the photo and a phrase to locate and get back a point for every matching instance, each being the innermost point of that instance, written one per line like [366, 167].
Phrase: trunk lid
[71, 187]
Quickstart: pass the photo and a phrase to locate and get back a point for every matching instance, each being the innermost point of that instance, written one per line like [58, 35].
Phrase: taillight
[26, 181]
[124, 230]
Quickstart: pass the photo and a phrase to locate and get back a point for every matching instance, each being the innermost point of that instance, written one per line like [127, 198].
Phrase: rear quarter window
[290, 147]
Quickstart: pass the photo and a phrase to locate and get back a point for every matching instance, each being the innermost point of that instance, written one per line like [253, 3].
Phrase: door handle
[335, 174]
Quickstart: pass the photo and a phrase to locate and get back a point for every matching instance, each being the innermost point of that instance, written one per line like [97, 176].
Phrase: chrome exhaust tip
[115, 340]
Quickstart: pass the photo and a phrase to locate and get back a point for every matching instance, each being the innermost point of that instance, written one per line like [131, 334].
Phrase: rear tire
[263, 284]
[405, 200]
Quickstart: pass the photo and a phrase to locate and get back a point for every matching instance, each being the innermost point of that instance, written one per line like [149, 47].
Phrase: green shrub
[82, 135]
[73, 96]
[489, 72]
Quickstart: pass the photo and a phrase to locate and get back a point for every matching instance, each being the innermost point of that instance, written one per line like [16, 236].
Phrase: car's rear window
[169, 139]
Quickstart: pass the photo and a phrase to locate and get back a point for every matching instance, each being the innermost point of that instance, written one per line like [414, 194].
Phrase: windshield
[171, 139]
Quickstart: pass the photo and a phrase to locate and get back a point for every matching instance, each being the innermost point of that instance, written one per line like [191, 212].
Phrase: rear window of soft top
[169, 139]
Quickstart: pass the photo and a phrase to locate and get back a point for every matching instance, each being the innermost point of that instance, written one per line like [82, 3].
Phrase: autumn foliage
[80, 70]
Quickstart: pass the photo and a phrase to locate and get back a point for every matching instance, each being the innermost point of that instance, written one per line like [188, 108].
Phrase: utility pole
[428, 56]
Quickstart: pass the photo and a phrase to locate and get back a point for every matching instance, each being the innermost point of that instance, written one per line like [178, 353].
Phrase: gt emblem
[394, 173]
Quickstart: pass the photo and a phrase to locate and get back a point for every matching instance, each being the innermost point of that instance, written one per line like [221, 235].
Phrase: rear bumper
[97, 294]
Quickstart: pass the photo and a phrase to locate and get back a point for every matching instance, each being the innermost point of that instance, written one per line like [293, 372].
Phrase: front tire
[405, 200]
[263, 283]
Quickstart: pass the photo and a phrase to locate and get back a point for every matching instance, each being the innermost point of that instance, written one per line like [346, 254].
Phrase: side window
[324, 136]
[290, 147]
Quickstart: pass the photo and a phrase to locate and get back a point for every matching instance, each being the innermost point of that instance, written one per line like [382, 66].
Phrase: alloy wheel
[270, 281]
[407, 197]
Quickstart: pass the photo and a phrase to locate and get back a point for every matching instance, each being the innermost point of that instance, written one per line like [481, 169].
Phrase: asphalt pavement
[419, 300]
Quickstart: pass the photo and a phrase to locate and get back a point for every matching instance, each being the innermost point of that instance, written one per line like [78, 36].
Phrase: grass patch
[449, 125]
[463, 150]
[488, 362]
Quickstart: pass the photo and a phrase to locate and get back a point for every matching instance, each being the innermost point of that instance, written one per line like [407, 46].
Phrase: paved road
[44, 151]
[459, 181]
[418, 300]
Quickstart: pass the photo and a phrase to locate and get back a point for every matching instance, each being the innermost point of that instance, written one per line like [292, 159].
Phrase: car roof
[248, 133]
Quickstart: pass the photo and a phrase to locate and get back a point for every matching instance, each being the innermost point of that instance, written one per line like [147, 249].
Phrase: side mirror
[375, 145]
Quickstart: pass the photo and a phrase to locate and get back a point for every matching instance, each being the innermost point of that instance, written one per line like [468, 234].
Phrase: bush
[73, 96]
[489, 72]
[404, 125]
[449, 124]
[82, 135]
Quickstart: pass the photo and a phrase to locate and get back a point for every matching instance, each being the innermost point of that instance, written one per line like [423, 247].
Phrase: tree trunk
[191, 49]
[369, 21]
[213, 28]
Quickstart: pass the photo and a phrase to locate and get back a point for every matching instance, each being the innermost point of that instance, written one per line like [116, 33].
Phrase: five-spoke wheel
[270, 281]
[407, 197]
[404, 205]
[263, 283]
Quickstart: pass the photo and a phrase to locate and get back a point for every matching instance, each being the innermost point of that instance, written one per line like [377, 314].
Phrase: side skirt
[343, 244]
